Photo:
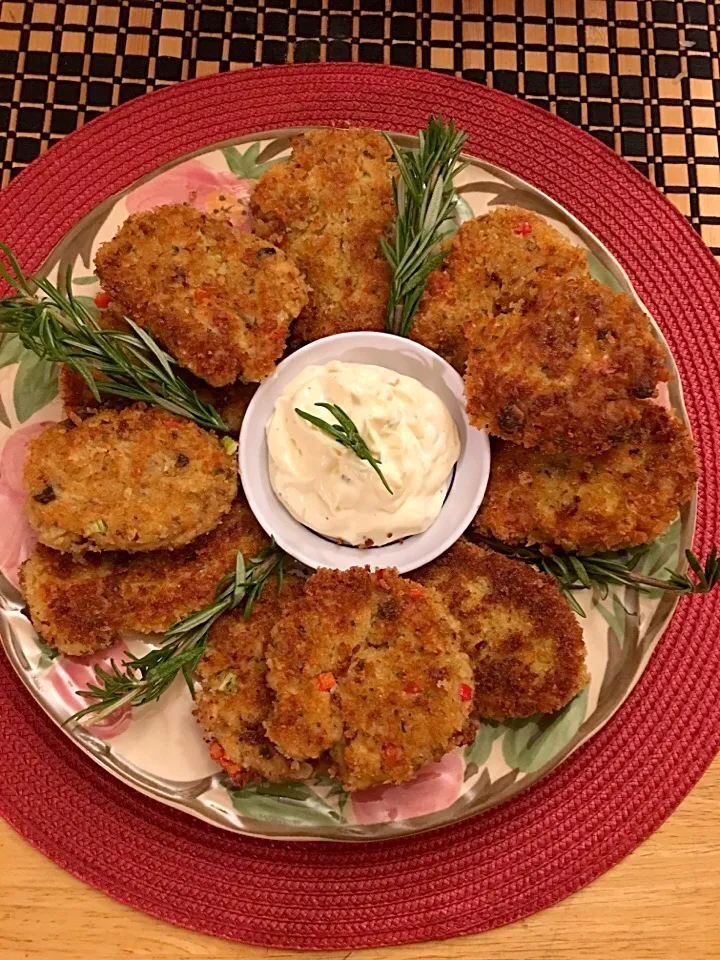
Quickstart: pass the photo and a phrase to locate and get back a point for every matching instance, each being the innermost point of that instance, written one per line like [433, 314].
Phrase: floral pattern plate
[158, 749]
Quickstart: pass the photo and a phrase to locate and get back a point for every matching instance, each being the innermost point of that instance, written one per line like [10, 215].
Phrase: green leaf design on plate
[616, 617]
[530, 744]
[35, 385]
[84, 281]
[47, 654]
[245, 165]
[11, 350]
[479, 750]
[295, 804]
[601, 273]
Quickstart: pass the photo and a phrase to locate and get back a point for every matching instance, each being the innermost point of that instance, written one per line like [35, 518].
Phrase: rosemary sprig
[604, 569]
[346, 433]
[425, 202]
[140, 680]
[60, 328]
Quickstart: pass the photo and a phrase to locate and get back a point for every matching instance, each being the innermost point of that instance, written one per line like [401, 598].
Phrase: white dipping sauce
[325, 486]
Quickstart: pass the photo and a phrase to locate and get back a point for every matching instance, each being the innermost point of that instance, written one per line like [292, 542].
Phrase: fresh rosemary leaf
[425, 202]
[346, 433]
[602, 570]
[140, 680]
[59, 328]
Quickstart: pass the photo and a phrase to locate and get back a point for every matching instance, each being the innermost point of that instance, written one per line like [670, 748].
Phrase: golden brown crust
[564, 370]
[219, 300]
[80, 606]
[231, 401]
[366, 666]
[523, 639]
[624, 497]
[493, 261]
[327, 208]
[136, 479]
[234, 700]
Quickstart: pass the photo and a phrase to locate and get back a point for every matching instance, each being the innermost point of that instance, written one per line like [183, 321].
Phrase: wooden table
[661, 903]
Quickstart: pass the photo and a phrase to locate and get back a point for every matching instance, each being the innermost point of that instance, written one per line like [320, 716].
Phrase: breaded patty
[365, 666]
[565, 369]
[219, 300]
[135, 479]
[234, 700]
[493, 262]
[231, 402]
[327, 208]
[626, 496]
[524, 642]
[80, 605]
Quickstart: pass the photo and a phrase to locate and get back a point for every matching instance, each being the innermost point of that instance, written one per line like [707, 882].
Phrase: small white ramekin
[406, 357]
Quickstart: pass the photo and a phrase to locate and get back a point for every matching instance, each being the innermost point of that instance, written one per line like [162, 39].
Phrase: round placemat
[605, 799]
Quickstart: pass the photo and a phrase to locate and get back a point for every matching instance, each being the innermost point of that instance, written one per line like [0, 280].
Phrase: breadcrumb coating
[234, 699]
[565, 369]
[135, 479]
[522, 637]
[81, 605]
[625, 497]
[327, 207]
[219, 300]
[365, 666]
[493, 261]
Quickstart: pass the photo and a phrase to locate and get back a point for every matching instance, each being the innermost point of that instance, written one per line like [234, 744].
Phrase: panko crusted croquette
[565, 370]
[81, 605]
[625, 497]
[327, 207]
[493, 261]
[136, 479]
[365, 666]
[234, 699]
[524, 642]
[219, 300]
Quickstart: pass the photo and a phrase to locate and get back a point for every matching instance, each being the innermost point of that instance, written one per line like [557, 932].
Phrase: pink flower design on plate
[18, 537]
[436, 787]
[67, 675]
[210, 191]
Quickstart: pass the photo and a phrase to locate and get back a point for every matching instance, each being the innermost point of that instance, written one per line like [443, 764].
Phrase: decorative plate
[158, 749]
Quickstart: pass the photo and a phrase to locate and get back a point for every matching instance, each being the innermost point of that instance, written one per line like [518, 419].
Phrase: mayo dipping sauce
[326, 486]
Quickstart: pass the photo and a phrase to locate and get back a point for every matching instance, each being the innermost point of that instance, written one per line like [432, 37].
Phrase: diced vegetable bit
[102, 300]
[228, 684]
[524, 229]
[391, 753]
[326, 681]
[201, 294]
[465, 691]
[412, 688]
[98, 526]
[229, 445]
[417, 593]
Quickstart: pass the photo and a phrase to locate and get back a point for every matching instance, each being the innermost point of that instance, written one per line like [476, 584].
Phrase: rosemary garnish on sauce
[425, 201]
[140, 680]
[605, 569]
[346, 433]
[123, 363]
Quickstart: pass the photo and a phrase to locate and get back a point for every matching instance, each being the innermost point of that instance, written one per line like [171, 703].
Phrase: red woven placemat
[596, 807]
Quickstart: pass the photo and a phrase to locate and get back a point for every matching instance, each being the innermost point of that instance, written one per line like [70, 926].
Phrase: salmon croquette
[492, 262]
[625, 497]
[563, 370]
[327, 207]
[524, 642]
[136, 479]
[80, 605]
[219, 300]
[234, 701]
[365, 666]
